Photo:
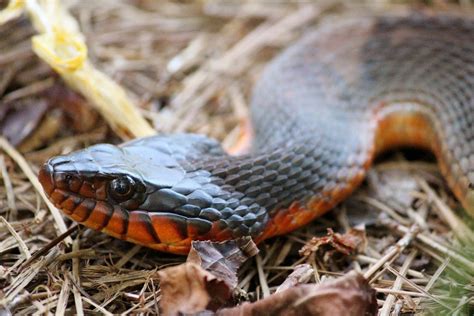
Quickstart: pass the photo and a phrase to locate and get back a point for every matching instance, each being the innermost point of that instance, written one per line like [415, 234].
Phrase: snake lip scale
[321, 112]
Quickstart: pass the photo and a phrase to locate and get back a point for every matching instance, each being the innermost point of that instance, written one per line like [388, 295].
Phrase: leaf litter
[190, 66]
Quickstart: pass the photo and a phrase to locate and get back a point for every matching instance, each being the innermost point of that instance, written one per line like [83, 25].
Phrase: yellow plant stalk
[61, 44]
[12, 11]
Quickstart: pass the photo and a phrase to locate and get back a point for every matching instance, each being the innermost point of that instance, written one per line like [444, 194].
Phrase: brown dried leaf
[19, 119]
[29, 123]
[347, 295]
[188, 288]
[223, 259]
[351, 242]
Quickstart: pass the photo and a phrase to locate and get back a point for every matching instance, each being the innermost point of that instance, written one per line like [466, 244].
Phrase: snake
[321, 112]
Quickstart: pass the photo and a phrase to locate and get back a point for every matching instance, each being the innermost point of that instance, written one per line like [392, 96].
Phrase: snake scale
[321, 112]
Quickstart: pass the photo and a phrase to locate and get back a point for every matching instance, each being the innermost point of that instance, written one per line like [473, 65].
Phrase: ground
[190, 66]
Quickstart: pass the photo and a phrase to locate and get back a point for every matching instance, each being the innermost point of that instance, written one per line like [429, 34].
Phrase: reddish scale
[83, 210]
[58, 196]
[99, 216]
[100, 189]
[70, 204]
[87, 190]
[168, 229]
[139, 229]
[118, 222]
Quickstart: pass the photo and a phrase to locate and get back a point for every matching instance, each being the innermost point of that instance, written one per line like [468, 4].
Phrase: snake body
[321, 112]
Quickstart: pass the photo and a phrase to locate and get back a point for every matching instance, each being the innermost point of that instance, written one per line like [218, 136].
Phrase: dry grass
[191, 66]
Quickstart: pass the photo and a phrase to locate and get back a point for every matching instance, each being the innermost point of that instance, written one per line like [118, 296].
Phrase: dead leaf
[29, 123]
[188, 288]
[347, 295]
[301, 274]
[223, 259]
[351, 242]
[19, 119]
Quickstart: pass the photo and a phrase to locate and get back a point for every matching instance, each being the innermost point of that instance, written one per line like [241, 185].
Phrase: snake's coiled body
[321, 112]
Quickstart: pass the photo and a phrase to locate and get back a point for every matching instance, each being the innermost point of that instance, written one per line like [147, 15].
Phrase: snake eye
[122, 188]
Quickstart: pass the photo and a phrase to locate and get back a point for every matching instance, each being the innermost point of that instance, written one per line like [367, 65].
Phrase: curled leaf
[223, 259]
[19, 119]
[207, 280]
[346, 244]
[347, 295]
[188, 288]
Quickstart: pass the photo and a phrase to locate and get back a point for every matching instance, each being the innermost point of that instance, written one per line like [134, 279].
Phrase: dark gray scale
[444, 81]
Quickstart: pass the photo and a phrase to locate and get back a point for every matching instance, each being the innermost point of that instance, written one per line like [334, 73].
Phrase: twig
[31, 90]
[21, 244]
[394, 251]
[416, 286]
[461, 230]
[18, 158]
[132, 252]
[397, 285]
[9, 190]
[97, 306]
[437, 273]
[76, 279]
[383, 207]
[434, 245]
[399, 292]
[261, 277]
[366, 259]
[82, 253]
[53, 243]
[63, 296]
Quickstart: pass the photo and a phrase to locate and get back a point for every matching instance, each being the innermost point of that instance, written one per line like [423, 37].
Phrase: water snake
[321, 112]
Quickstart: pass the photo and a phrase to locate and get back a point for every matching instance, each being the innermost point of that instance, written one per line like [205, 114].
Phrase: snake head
[97, 174]
[148, 191]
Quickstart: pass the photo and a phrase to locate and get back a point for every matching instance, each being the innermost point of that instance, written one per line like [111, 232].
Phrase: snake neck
[277, 175]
